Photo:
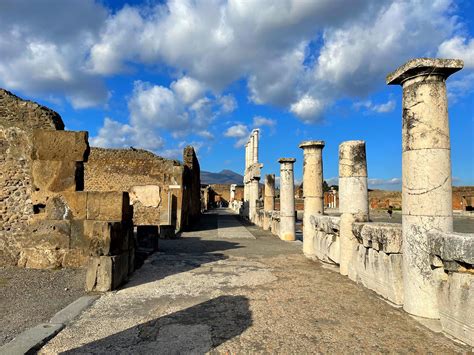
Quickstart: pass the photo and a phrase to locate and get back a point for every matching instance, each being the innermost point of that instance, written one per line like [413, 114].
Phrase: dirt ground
[29, 297]
[204, 294]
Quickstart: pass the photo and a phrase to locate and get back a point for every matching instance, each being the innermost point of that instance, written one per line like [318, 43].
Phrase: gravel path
[29, 297]
[242, 296]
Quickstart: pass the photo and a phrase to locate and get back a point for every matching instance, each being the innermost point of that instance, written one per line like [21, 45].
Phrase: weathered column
[287, 199]
[426, 176]
[353, 197]
[253, 198]
[313, 193]
[269, 200]
[255, 136]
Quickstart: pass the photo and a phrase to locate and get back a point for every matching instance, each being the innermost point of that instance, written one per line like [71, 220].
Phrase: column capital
[286, 160]
[312, 144]
[423, 67]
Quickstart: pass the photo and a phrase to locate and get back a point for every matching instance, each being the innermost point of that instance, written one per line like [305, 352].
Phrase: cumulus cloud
[368, 105]
[302, 56]
[239, 131]
[44, 47]
[379, 182]
[458, 48]
[259, 121]
[188, 89]
[308, 108]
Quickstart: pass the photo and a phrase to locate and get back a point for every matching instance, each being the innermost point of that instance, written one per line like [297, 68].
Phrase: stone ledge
[328, 224]
[386, 237]
[452, 246]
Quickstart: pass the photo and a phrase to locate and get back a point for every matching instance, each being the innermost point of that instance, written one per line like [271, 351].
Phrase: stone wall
[192, 193]
[18, 119]
[124, 169]
[380, 199]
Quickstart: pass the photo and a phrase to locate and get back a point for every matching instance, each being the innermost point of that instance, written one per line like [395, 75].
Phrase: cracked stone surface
[205, 294]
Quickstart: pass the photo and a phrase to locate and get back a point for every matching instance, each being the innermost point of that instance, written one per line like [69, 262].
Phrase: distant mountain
[223, 177]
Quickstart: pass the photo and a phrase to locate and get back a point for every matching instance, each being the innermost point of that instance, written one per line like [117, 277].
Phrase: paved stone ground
[206, 294]
[29, 297]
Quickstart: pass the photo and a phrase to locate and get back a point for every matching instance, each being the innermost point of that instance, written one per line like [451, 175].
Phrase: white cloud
[307, 108]
[44, 46]
[259, 121]
[155, 106]
[228, 103]
[114, 134]
[458, 48]
[188, 89]
[239, 131]
[386, 107]
[381, 182]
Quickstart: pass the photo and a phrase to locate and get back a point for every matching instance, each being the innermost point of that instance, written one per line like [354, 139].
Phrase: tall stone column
[253, 198]
[426, 176]
[313, 193]
[353, 197]
[269, 200]
[255, 136]
[287, 199]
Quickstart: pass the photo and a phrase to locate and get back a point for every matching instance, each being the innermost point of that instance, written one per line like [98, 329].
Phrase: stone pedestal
[287, 199]
[269, 200]
[313, 193]
[426, 177]
[232, 192]
[353, 197]
[253, 198]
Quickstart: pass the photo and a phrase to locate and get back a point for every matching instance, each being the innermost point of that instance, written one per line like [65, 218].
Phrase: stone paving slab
[204, 294]
[229, 227]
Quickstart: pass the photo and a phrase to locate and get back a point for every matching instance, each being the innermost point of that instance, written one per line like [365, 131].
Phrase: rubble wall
[123, 169]
[18, 119]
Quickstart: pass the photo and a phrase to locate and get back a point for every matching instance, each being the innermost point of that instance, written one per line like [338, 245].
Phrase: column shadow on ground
[197, 329]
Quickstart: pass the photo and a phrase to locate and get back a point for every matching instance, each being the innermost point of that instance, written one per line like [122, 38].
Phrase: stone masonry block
[60, 145]
[109, 206]
[56, 176]
[51, 234]
[456, 306]
[65, 205]
[106, 238]
[386, 237]
[106, 273]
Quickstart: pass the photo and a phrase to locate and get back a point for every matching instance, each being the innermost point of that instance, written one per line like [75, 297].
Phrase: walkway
[249, 294]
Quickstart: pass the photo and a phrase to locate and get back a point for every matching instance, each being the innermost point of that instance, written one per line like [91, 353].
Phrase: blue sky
[161, 75]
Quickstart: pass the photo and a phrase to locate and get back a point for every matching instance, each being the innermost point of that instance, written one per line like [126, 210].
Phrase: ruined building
[63, 204]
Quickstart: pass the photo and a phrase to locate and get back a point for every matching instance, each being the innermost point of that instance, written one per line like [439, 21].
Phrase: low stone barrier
[326, 240]
[453, 263]
[377, 261]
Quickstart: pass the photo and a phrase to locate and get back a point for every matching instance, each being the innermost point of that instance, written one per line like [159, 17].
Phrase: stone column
[253, 198]
[255, 136]
[313, 193]
[269, 200]
[287, 199]
[426, 176]
[353, 197]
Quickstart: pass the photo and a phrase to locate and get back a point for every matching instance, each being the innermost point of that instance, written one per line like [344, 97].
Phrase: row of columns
[251, 176]
[426, 181]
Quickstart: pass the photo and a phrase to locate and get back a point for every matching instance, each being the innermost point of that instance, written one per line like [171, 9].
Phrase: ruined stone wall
[192, 191]
[381, 199]
[122, 169]
[18, 119]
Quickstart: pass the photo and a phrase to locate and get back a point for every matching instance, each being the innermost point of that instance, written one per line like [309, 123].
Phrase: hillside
[223, 177]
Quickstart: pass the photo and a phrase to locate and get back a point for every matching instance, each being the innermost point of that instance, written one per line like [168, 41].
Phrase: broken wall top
[15, 112]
